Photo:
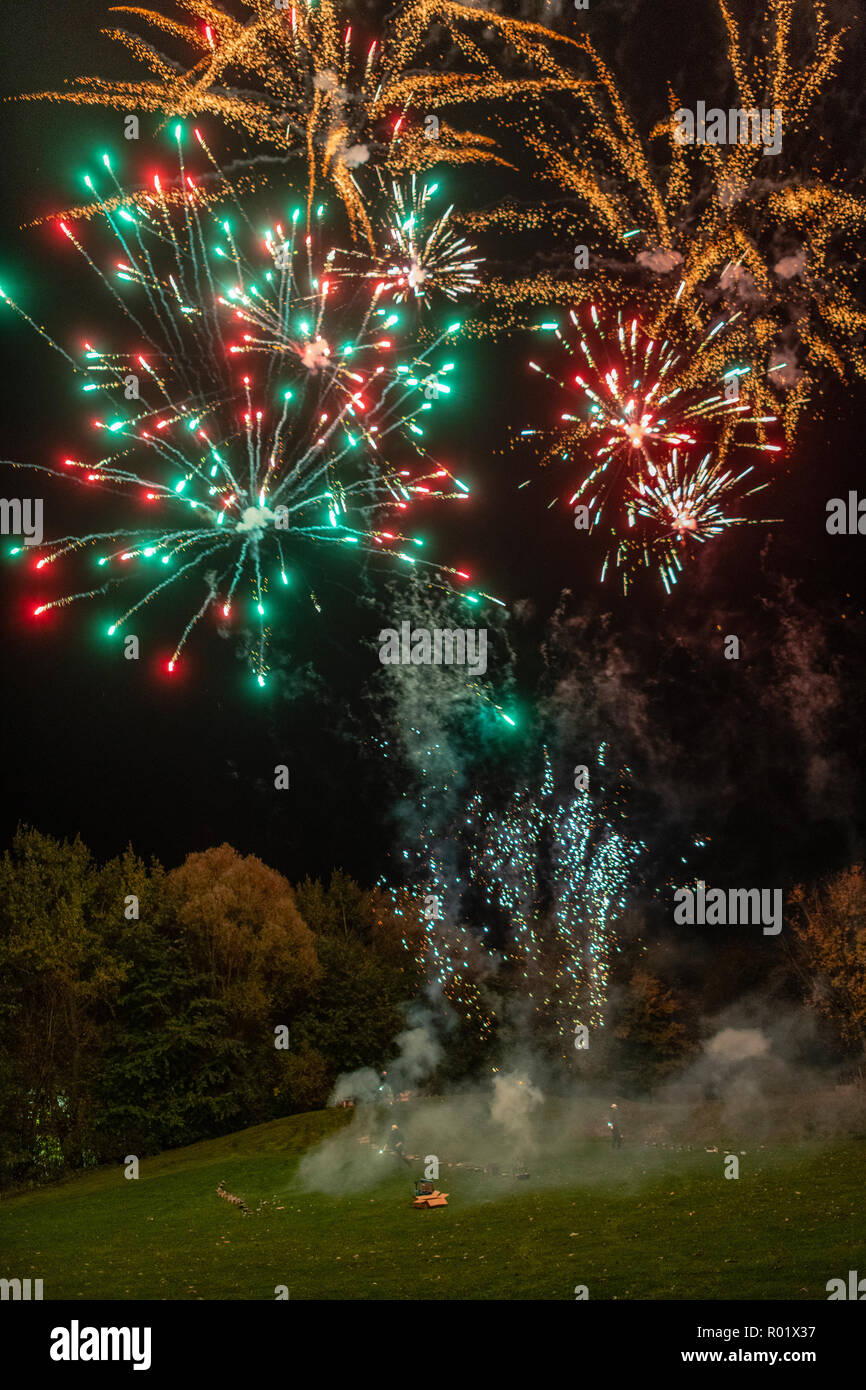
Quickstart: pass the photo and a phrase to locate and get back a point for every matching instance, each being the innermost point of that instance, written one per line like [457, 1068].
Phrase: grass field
[640, 1223]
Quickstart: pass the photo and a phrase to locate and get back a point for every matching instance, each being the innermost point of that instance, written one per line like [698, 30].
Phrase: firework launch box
[426, 1195]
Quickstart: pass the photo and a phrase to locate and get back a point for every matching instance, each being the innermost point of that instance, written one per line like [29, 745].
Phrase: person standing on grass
[616, 1132]
[398, 1144]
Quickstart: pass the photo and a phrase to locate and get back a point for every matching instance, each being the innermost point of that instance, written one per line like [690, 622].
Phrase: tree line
[140, 1008]
[143, 1009]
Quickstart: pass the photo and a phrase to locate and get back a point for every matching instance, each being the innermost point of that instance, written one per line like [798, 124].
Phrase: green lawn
[641, 1223]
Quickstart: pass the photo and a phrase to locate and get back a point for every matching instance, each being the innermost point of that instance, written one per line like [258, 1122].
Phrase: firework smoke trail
[423, 256]
[254, 483]
[432, 722]
[453, 956]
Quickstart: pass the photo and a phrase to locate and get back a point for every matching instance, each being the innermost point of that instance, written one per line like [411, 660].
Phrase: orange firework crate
[433, 1198]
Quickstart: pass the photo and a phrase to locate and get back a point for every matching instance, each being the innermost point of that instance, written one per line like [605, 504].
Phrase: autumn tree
[652, 1030]
[246, 932]
[828, 951]
[57, 980]
[346, 911]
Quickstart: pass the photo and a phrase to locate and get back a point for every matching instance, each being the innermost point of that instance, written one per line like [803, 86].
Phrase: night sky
[761, 755]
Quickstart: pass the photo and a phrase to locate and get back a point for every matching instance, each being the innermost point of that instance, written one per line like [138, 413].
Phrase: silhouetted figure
[615, 1131]
[398, 1144]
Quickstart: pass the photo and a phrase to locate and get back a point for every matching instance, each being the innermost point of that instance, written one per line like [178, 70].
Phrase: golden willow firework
[741, 227]
[268, 411]
[300, 82]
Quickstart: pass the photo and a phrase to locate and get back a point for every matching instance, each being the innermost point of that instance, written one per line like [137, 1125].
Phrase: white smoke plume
[419, 1053]
[515, 1101]
[659, 261]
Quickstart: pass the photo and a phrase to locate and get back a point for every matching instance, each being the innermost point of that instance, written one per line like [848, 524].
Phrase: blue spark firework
[557, 867]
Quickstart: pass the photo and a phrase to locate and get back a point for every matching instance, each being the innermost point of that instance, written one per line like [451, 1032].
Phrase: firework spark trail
[304, 84]
[314, 469]
[643, 396]
[679, 504]
[565, 849]
[300, 81]
[557, 868]
[422, 255]
[645, 402]
[768, 235]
